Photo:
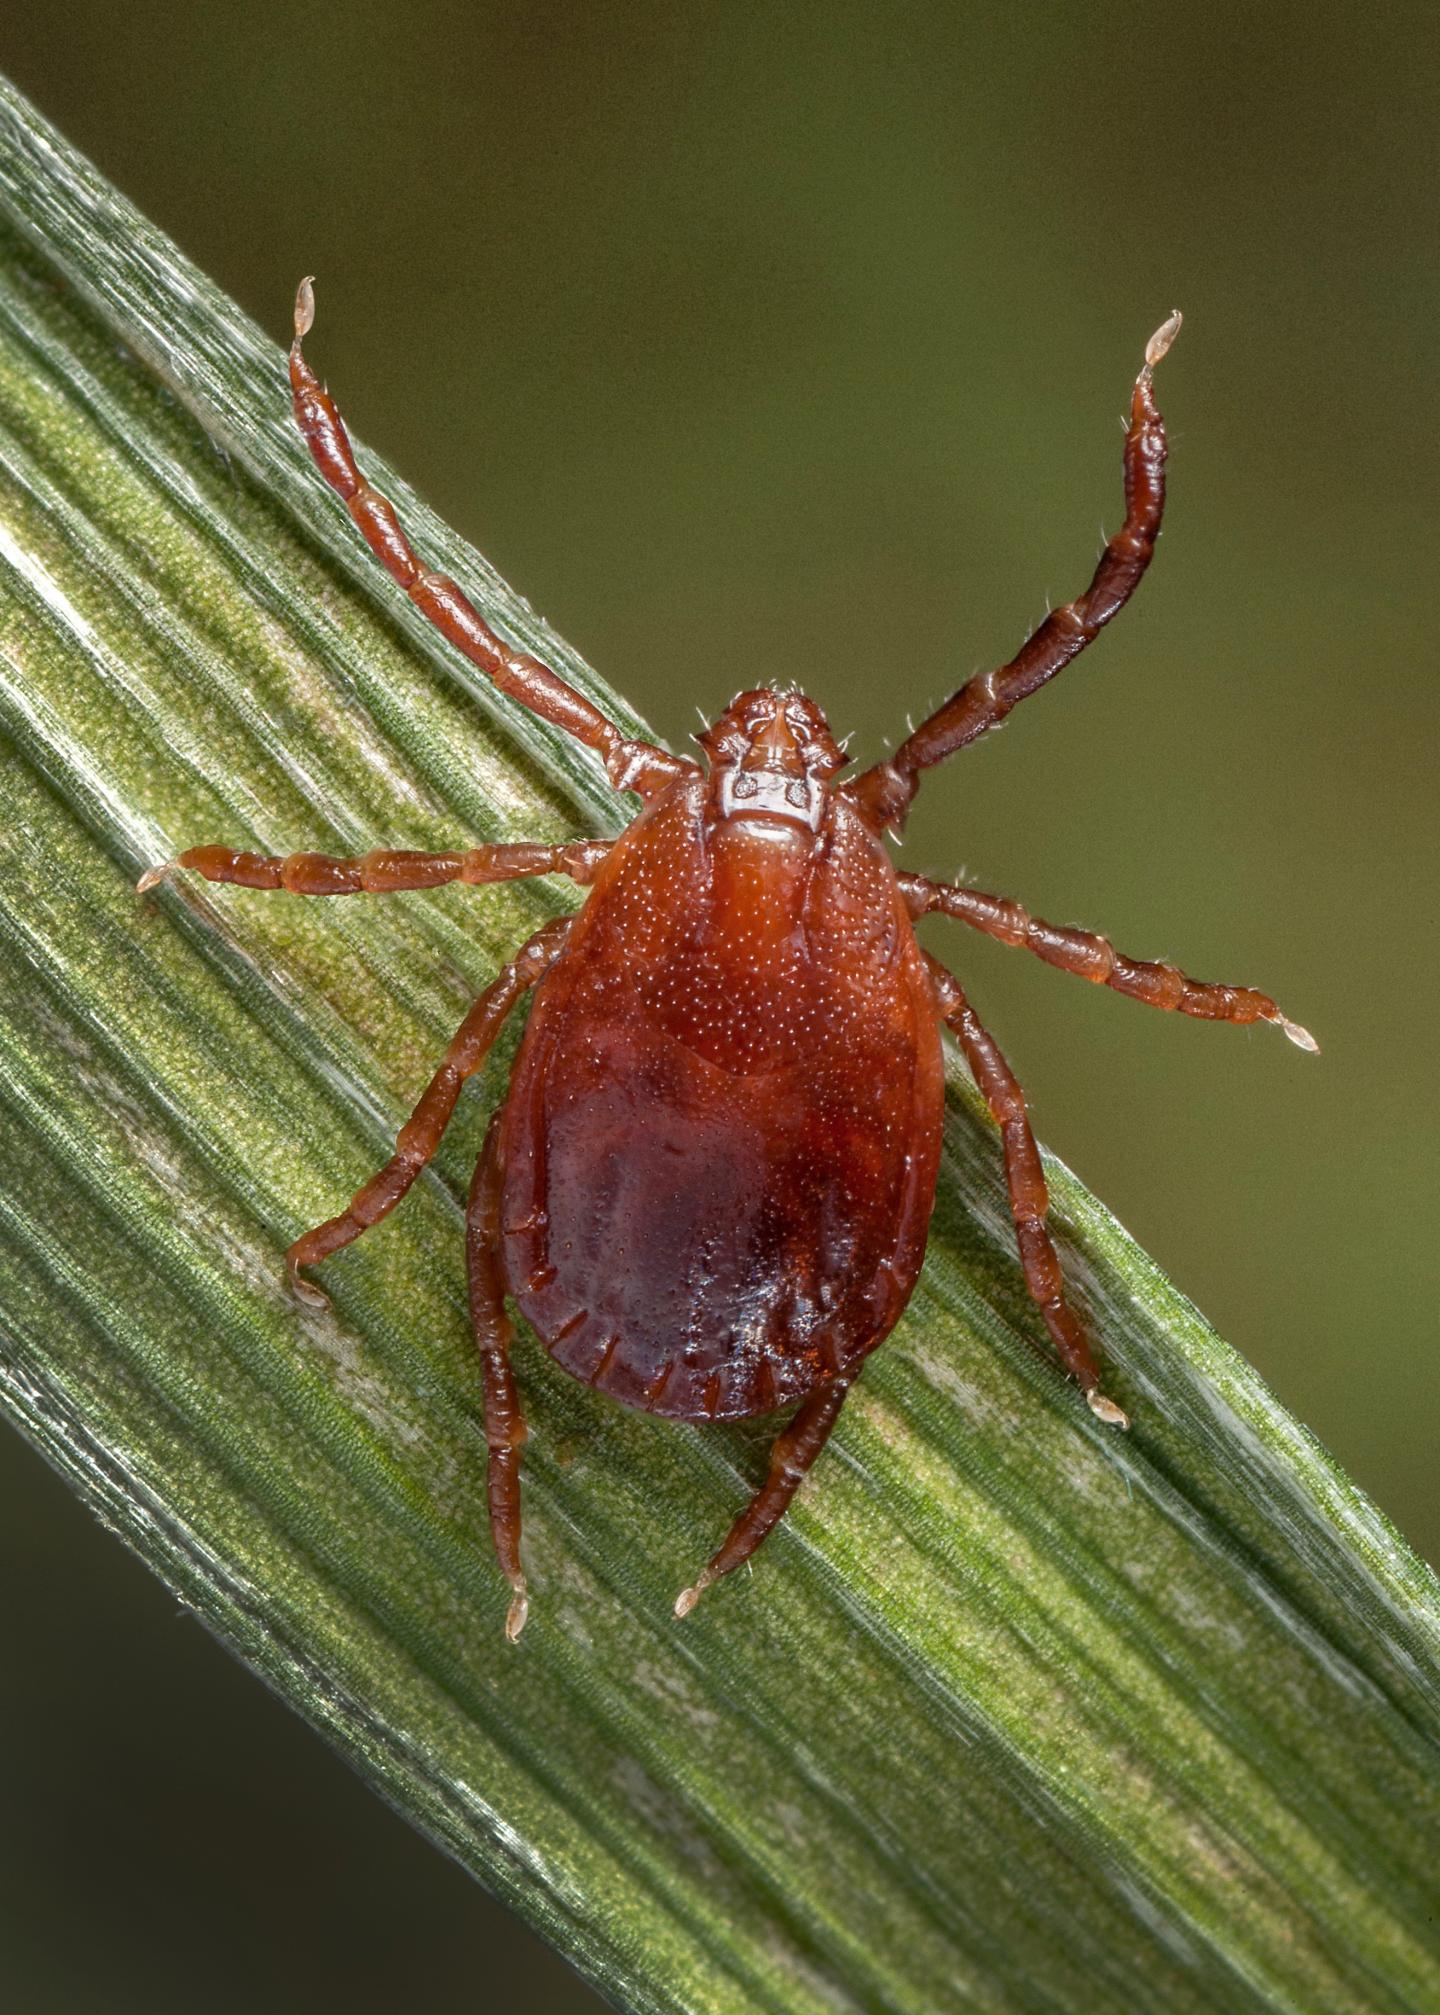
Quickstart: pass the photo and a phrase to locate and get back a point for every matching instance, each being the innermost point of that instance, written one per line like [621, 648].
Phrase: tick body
[720, 1144]
[709, 1184]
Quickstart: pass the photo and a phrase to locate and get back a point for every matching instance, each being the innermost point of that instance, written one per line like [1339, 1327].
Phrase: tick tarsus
[686, 1600]
[305, 308]
[1106, 1409]
[303, 1288]
[1301, 1037]
[681, 961]
[1158, 344]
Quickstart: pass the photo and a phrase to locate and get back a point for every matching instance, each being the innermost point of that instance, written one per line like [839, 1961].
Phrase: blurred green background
[790, 341]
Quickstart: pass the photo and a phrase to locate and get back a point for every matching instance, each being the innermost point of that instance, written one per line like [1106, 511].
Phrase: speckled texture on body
[723, 1129]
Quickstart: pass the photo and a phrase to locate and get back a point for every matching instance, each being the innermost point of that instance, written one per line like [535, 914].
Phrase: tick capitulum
[709, 1184]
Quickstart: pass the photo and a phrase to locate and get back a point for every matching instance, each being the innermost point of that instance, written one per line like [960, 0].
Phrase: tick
[709, 1184]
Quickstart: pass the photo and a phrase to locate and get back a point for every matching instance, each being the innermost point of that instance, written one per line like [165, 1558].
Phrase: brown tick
[709, 1185]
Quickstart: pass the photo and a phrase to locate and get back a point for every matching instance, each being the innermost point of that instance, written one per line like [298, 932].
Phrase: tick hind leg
[796, 1447]
[1029, 1197]
[494, 1333]
[422, 1132]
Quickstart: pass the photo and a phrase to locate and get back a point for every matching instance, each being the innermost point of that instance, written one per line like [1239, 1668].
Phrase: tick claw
[1106, 1409]
[519, 1609]
[153, 877]
[1164, 336]
[306, 1290]
[686, 1600]
[1301, 1037]
[304, 308]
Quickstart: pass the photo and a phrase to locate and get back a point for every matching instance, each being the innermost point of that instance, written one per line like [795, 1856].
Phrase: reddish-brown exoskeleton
[709, 1184]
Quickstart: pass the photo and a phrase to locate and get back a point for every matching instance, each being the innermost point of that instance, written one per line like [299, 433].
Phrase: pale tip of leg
[152, 877]
[306, 1290]
[1106, 1409]
[519, 1609]
[1164, 336]
[686, 1600]
[1301, 1037]
[304, 307]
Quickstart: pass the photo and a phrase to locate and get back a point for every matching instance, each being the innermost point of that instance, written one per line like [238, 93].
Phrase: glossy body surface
[709, 1184]
[723, 1128]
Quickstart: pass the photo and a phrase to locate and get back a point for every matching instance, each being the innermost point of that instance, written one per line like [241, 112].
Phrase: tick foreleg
[494, 1333]
[796, 1447]
[630, 766]
[884, 792]
[422, 1132]
[1025, 1179]
[1094, 958]
[386, 871]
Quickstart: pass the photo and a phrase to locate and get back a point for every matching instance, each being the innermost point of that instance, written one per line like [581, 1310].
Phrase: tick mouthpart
[774, 746]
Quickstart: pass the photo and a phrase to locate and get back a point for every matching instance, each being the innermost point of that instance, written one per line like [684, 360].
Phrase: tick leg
[1095, 958]
[796, 1447]
[884, 792]
[630, 766]
[494, 1334]
[421, 1133]
[386, 871]
[1025, 1178]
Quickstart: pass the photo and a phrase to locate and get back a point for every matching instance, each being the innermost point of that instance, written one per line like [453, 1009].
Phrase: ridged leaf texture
[1014, 1713]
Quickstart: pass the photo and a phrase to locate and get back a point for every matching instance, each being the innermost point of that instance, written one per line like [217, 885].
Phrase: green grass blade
[1014, 1713]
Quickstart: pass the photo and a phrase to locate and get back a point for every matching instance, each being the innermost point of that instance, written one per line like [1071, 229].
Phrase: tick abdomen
[720, 1148]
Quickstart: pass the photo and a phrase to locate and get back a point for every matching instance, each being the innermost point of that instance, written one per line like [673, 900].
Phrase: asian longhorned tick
[709, 1184]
